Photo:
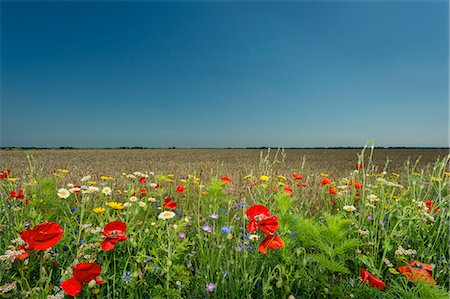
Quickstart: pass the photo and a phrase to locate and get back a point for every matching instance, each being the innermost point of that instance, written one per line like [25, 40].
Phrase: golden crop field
[235, 163]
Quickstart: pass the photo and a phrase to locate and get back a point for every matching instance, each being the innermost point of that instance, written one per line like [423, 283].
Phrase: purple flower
[182, 235]
[226, 229]
[27, 224]
[370, 218]
[240, 205]
[126, 277]
[214, 216]
[207, 228]
[210, 287]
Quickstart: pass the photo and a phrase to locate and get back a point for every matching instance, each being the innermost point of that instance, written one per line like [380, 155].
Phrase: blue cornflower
[127, 277]
[226, 229]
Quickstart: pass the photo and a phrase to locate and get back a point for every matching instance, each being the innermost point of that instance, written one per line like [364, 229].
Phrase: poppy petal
[251, 226]
[257, 210]
[269, 225]
[376, 282]
[85, 272]
[71, 286]
[364, 275]
[270, 242]
[108, 244]
[115, 226]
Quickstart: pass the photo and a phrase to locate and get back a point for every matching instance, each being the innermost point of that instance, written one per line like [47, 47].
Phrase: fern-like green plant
[328, 242]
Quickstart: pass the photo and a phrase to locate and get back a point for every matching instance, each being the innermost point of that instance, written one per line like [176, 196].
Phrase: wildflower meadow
[369, 234]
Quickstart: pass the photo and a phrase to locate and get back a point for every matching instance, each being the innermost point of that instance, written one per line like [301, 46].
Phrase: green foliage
[329, 239]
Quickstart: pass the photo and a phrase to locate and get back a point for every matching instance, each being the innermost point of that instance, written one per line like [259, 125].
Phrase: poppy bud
[92, 283]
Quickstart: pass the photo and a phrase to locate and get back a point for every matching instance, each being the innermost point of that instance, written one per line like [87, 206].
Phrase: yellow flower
[416, 174]
[435, 179]
[115, 205]
[446, 173]
[63, 170]
[57, 175]
[197, 179]
[107, 178]
[204, 193]
[13, 179]
[169, 180]
[92, 183]
[282, 177]
[281, 183]
[170, 175]
[183, 181]
[263, 185]
[248, 176]
[264, 178]
[99, 210]
[324, 174]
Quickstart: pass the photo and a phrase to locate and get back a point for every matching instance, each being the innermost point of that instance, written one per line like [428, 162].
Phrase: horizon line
[243, 148]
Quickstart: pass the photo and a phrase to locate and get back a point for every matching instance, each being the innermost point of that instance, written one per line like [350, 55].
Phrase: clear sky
[220, 74]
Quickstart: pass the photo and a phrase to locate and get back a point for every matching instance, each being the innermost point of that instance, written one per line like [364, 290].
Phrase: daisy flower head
[373, 197]
[106, 191]
[349, 208]
[166, 215]
[63, 193]
[86, 178]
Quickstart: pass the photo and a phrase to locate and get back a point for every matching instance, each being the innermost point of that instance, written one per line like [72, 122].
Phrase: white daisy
[63, 193]
[166, 215]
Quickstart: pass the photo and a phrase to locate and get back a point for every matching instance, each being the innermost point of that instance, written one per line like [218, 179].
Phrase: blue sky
[220, 74]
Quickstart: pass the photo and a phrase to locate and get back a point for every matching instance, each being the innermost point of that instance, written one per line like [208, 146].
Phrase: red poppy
[417, 274]
[82, 272]
[325, 181]
[359, 166]
[302, 185]
[142, 180]
[76, 189]
[270, 242]
[169, 204]
[297, 176]
[225, 179]
[430, 206]
[181, 189]
[4, 174]
[373, 280]
[357, 184]
[287, 189]
[143, 191]
[14, 194]
[114, 232]
[274, 188]
[260, 218]
[42, 236]
[333, 190]
[417, 264]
